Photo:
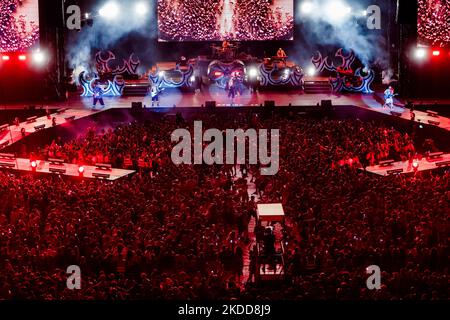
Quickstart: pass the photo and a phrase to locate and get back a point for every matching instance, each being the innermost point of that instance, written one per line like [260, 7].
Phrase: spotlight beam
[420, 53]
[141, 8]
[109, 11]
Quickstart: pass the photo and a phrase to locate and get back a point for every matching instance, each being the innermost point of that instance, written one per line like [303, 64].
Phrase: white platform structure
[406, 167]
[371, 102]
[12, 133]
[64, 169]
[272, 212]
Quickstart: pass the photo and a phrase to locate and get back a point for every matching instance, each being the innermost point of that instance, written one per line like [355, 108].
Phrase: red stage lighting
[436, 53]
[415, 164]
[33, 164]
[5, 58]
[80, 171]
[22, 57]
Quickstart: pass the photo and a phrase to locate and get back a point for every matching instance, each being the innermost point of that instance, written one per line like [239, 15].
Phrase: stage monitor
[433, 23]
[136, 105]
[19, 25]
[219, 20]
[269, 104]
[210, 104]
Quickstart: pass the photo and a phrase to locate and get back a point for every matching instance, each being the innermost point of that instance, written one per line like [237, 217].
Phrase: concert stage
[10, 134]
[406, 167]
[79, 107]
[71, 170]
[174, 98]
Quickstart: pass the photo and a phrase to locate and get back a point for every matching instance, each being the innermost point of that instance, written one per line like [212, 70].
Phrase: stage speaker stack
[136, 108]
[326, 105]
[270, 104]
[442, 164]
[434, 123]
[210, 104]
[394, 171]
[136, 105]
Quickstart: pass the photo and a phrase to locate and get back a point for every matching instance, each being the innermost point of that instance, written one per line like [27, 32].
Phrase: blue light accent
[113, 89]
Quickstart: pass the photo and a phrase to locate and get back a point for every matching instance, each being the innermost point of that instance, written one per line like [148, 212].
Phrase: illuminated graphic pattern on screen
[19, 25]
[217, 20]
[434, 23]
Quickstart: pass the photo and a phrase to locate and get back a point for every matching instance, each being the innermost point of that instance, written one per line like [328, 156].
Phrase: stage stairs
[312, 86]
[136, 88]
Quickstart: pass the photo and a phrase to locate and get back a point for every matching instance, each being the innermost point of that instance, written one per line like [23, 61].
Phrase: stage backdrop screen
[233, 20]
[434, 23]
[19, 25]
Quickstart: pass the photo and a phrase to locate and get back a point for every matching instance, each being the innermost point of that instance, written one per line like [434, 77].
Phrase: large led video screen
[19, 25]
[232, 20]
[434, 23]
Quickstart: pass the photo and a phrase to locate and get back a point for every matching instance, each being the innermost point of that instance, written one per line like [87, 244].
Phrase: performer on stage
[282, 55]
[98, 96]
[227, 51]
[389, 98]
[182, 62]
[239, 85]
[155, 91]
[231, 86]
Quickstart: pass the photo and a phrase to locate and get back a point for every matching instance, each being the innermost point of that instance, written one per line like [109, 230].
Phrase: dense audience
[361, 143]
[193, 20]
[182, 232]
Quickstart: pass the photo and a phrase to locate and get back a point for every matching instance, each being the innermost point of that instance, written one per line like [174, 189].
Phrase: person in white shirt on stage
[155, 91]
[98, 96]
[389, 98]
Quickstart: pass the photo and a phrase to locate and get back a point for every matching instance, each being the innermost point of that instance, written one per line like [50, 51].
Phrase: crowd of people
[349, 220]
[194, 20]
[376, 143]
[182, 232]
